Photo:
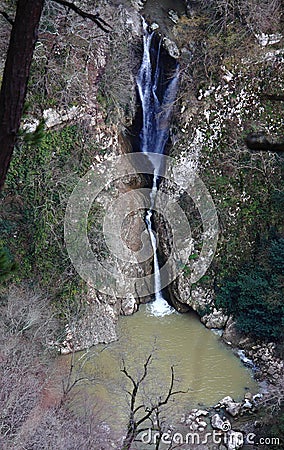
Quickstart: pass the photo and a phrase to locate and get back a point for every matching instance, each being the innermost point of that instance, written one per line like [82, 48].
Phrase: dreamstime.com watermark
[232, 439]
[104, 273]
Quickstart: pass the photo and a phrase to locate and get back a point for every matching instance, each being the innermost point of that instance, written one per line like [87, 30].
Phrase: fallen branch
[259, 142]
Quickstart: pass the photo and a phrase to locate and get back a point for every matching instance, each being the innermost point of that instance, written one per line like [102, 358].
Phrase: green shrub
[273, 427]
[254, 295]
[7, 264]
[277, 255]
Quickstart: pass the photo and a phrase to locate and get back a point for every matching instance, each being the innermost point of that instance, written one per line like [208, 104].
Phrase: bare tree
[102, 24]
[137, 422]
[37, 386]
[255, 16]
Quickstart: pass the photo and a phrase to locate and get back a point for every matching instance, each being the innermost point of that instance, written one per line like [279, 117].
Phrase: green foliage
[254, 295]
[273, 427]
[204, 310]
[249, 205]
[7, 265]
[277, 255]
[186, 271]
[42, 175]
[278, 200]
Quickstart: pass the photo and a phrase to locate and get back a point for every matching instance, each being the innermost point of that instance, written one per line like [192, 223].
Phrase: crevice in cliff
[153, 108]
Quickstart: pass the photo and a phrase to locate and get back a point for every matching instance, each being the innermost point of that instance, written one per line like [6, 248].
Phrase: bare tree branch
[102, 24]
[136, 384]
[161, 402]
[7, 17]
[258, 141]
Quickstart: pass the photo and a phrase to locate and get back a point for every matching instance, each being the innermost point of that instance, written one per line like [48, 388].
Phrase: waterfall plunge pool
[203, 365]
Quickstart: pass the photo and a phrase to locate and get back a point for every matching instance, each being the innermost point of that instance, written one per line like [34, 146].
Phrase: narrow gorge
[204, 365]
[141, 229]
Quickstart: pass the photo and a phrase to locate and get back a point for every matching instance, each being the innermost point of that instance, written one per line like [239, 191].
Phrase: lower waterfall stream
[159, 307]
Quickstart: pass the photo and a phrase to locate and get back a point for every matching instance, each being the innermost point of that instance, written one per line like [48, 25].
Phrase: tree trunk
[15, 77]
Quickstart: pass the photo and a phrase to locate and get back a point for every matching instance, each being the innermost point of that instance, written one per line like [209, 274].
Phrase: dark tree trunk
[15, 77]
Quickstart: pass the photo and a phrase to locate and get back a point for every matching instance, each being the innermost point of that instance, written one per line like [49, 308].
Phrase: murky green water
[202, 364]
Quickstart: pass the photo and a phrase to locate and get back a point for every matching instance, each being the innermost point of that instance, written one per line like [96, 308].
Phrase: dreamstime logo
[104, 272]
[215, 437]
[232, 439]
[226, 425]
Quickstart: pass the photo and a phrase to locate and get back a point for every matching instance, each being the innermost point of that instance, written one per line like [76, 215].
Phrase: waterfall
[157, 96]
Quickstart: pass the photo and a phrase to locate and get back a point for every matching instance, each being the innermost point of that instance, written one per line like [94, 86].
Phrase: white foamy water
[157, 101]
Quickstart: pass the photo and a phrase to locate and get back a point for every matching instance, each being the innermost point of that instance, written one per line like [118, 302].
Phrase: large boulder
[173, 16]
[232, 407]
[216, 319]
[231, 336]
[171, 48]
[138, 4]
[128, 305]
[96, 324]
[197, 298]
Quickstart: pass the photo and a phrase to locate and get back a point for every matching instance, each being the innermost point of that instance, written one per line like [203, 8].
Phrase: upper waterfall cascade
[157, 95]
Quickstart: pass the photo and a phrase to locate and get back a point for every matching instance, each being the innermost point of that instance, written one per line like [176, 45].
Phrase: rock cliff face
[219, 102]
[224, 74]
[231, 72]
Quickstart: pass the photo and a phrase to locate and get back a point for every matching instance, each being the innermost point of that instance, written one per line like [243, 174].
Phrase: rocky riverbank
[227, 425]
